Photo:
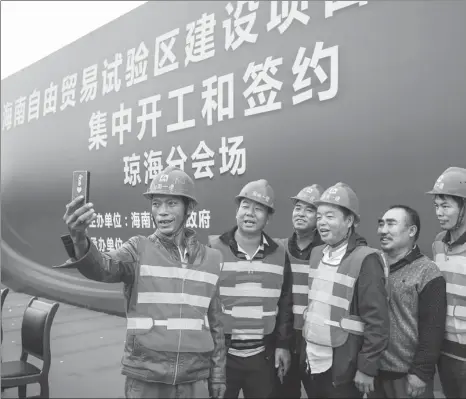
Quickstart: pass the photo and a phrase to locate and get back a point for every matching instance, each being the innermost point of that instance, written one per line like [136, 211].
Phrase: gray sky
[31, 30]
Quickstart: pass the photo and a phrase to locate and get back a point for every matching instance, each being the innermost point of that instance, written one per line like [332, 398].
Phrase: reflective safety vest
[168, 305]
[300, 271]
[249, 291]
[452, 263]
[341, 323]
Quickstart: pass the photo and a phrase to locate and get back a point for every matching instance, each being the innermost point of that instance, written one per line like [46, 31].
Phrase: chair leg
[22, 391]
[44, 389]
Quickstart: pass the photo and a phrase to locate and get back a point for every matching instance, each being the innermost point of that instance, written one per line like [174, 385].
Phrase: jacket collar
[306, 252]
[411, 256]
[228, 238]
[190, 245]
[460, 241]
[355, 240]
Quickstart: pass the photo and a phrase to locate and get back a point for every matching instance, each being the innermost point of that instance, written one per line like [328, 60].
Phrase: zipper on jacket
[179, 339]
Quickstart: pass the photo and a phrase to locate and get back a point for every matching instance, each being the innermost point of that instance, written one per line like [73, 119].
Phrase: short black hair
[413, 218]
[458, 200]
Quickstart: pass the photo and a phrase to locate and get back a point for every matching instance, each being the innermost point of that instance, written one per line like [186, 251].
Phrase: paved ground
[86, 351]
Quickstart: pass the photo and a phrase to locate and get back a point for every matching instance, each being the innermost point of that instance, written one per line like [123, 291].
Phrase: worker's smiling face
[168, 212]
[304, 216]
[332, 223]
[251, 217]
[395, 230]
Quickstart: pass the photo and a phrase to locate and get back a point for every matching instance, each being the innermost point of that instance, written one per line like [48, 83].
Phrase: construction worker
[255, 290]
[175, 344]
[346, 323]
[449, 251]
[418, 305]
[299, 247]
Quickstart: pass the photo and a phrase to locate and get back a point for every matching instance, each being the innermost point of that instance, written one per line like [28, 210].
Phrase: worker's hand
[78, 217]
[282, 362]
[216, 389]
[364, 382]
[415, 386]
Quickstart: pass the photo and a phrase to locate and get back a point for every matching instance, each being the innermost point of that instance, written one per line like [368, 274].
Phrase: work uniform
[174, 339]
[417, 325]
[346, 324]
[451, 259]
[257, 306]
[299, 259]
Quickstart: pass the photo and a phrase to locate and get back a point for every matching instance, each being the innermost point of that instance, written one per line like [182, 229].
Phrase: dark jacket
[121, 265]
[305, 253]
[281, 337]
[362, 352]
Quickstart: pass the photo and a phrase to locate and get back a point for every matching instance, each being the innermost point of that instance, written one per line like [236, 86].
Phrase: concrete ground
[86, 351]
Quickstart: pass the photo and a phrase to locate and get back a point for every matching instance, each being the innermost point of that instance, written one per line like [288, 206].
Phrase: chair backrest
[5, 292]
[35, 330]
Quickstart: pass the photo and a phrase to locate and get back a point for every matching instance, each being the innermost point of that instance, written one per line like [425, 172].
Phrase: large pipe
[23, 275]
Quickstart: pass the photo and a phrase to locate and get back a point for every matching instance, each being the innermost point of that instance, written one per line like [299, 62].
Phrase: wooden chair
[35, 339]
[5, 292]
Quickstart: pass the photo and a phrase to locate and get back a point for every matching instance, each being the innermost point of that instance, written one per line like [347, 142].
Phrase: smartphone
[81, 180]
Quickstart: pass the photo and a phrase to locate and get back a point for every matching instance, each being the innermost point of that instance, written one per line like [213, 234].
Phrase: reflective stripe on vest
[249, 291]
[249, 312]
[246, 334]
[452, 264]
[178, 273]
[457, 311]
[145, 323]
[252, 266]
[350, 325]
[168, 299]
[300, 288]
[341, 323]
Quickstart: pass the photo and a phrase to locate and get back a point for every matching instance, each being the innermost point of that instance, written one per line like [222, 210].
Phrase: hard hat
[309, 194]
[451, 182]
[259, 191]
[172, 181]
[342, 195]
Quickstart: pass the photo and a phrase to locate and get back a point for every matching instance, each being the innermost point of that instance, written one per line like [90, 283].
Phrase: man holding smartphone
[175, 345]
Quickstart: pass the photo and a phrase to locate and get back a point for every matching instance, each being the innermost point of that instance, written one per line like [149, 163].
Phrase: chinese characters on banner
[233, 160]
[130, 68]
[137, 220]
[143, 220]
